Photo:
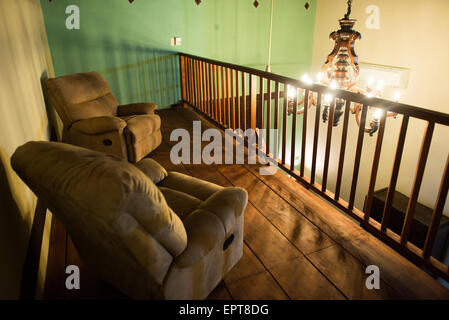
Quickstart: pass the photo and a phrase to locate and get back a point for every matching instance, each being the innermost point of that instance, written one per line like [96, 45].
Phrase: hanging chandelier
[342, 71]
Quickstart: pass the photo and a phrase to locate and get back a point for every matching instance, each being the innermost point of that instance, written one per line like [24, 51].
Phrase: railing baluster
[315, 139]
[304, 131]
[284, 125]
[253, 101]
[232, 100]
[358, 155]
[341, 160]
[189, 85]
[210, 105]
[222, 104]
[437, 212]
[216, 94]
[394, 174]
[261, 104]
[197, 85]
[192, 91]
[219, 101]
[424, 153]
[375, 166]
[327, 153]
[293, 145]
[276, 107]
[244, 101]
[228, 102]
[237, 100]
[268, 117]
[203, 73]
[182, 67]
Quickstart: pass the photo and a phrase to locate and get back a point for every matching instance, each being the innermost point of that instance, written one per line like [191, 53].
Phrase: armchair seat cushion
[195, 187]
[181, 203]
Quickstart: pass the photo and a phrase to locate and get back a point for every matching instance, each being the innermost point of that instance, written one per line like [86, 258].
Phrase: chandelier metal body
[342, 71]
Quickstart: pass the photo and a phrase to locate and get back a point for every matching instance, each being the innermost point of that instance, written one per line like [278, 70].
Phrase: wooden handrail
[239, 97]
[412, 111]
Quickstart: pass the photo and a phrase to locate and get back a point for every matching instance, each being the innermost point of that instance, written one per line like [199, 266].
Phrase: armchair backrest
[81, 96]
[117, 218]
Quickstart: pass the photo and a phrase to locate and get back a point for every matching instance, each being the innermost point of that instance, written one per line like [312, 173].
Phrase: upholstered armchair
[150, 233]
[93, 118]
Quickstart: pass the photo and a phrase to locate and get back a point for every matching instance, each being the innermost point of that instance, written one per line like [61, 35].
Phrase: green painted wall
[130, 43]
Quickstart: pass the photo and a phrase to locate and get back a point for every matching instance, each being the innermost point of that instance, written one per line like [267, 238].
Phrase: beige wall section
[413, 34]
[24, 61]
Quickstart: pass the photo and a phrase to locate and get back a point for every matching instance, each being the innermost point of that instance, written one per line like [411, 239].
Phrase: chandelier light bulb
[319, 77]
[397, 96]
[328, 98]
[380, 85]
[291, 92]
[371, 81]
[378, 114]
[333, 84]
[305, 78]
[370, 94]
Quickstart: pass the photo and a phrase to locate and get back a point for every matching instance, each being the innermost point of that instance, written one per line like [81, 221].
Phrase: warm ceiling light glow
[397, 96]
[370, 94]
[319, 77]
[371, 81]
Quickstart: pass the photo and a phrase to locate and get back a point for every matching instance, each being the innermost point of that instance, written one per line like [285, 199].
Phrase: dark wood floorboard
[296, 245]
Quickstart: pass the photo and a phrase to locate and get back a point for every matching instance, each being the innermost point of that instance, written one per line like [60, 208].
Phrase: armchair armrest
[208, 225]
[99, 125]
[204, 233]
[136, 108]
[227, 204]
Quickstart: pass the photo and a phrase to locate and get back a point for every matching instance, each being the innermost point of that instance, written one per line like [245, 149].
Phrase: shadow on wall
[135, 73]
[55, 125]
[16, 204]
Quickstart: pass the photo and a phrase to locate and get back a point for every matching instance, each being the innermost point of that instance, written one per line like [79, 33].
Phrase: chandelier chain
[348, 13]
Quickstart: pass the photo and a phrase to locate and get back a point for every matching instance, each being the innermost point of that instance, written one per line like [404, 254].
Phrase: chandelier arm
[312, 103]
[373, 124]
[392, 114]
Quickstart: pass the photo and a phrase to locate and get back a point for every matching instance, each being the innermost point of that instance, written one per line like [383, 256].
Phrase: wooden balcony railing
[235, 97]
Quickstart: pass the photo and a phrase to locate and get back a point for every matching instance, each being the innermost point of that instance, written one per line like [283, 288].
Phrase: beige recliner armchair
[148, 233]
[93, 119]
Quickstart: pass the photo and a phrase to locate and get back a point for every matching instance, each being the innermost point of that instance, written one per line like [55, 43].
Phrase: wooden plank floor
[296, 245]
